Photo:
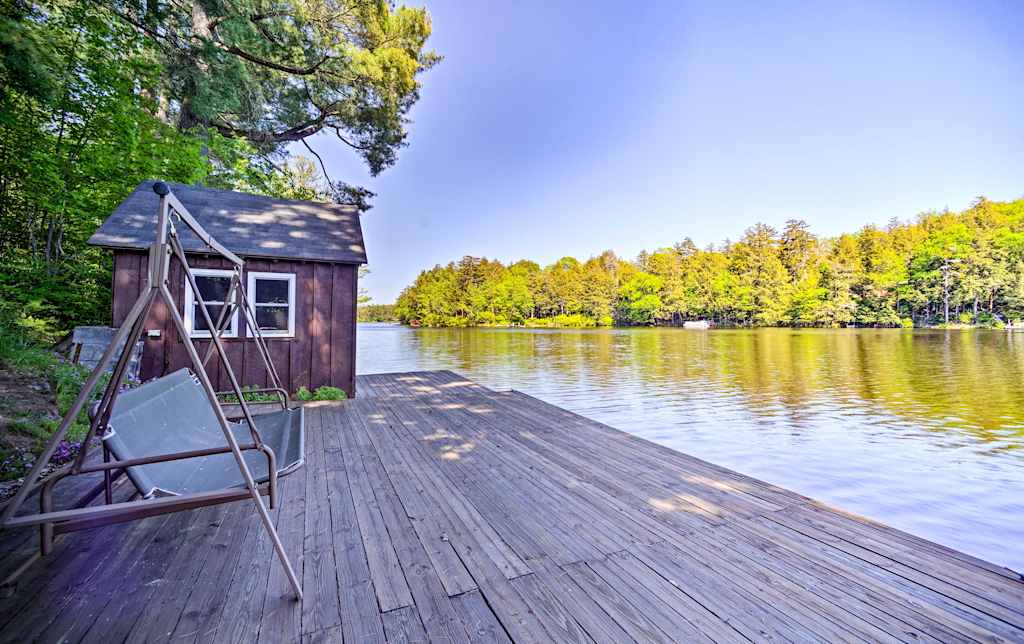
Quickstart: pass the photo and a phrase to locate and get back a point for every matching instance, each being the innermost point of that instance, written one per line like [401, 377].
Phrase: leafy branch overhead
[96, 96]
[278, 72]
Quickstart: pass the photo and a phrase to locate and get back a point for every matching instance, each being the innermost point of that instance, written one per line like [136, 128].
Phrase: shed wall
[321, 353]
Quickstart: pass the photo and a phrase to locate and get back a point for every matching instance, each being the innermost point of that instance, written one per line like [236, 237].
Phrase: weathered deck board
[434, 509]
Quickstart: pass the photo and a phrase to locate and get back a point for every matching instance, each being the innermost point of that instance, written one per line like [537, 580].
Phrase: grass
[20, 352]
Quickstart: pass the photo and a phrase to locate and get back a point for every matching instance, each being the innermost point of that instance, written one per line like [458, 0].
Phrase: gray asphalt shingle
[248, 225]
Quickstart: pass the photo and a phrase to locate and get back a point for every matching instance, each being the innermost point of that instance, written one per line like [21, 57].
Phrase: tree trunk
[201, 28]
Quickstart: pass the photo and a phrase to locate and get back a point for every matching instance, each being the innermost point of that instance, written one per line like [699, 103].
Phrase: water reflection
[920, 429]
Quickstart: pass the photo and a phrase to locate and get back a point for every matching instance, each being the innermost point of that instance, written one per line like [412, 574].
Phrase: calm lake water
[922, 430]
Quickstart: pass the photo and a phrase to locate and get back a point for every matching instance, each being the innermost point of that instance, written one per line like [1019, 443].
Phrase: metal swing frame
[166, 244]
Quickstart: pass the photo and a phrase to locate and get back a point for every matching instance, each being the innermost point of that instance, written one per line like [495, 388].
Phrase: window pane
[199, 323]
[272, 318]
[271, 291]
[213, 289]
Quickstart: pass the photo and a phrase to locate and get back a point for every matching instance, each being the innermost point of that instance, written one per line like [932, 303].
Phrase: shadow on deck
[433, 509]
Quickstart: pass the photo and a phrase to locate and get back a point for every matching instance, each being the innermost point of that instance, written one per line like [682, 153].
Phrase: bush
[329, 393]
[907, 323]
[252, 396]
[322, 393]
[986, 319]
[487, 318]
[574, 321]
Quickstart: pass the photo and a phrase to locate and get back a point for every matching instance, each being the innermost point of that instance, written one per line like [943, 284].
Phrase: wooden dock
[433, 509]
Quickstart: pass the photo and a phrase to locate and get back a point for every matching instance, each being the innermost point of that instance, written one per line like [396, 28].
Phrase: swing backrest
[166, 415]
[174, 414]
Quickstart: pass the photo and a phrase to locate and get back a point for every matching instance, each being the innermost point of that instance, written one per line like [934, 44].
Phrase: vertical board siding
[352, 313]
[301, 350]
[254, 371]
[126, 285]
[343, 328]
[321, 353]
[320, 369]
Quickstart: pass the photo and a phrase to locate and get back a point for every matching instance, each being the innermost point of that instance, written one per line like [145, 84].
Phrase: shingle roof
[247, 225]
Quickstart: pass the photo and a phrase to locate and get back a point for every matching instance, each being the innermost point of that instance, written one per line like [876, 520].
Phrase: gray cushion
[173, 414]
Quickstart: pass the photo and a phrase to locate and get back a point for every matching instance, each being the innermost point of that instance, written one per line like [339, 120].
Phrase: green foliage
[67, 381]
[22, 354]
[902, 275]
[321, 393]
[96, 97]
[249, 395]
[274, 74]
[566, 321]
[329, 393]
[377, 313]
[72, 146]
[639, 299]
[21, 350]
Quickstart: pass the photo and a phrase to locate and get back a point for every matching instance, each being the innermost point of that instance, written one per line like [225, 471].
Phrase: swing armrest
[48, 516]
[47, 485]
[97, 515]
[162, 458]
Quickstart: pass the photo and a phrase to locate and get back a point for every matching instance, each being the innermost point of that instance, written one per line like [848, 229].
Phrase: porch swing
[172, 436]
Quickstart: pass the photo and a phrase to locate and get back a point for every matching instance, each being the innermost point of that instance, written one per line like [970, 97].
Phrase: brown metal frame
[166, 245]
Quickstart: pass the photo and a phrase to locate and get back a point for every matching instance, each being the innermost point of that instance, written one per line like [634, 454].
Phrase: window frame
[190, 305]
[251, 296]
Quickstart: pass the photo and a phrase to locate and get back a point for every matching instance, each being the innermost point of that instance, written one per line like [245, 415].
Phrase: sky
[556, 128]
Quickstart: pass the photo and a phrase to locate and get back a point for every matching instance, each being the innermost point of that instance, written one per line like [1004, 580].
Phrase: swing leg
[46, 505]
[272, 480]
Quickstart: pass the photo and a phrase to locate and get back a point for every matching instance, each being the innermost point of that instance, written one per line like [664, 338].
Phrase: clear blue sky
[566, 128]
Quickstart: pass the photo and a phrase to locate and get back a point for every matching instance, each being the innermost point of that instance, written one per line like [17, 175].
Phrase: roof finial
[161, 188]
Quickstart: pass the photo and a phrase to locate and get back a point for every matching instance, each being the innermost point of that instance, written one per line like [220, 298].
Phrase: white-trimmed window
[214, 286]
[272, 298]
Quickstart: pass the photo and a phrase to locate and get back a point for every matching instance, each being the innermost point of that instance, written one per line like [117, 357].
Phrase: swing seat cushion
[173, 414]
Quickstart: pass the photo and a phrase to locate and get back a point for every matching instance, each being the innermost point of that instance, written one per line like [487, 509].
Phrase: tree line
[98, 96]
[376, 313]
[941, 268]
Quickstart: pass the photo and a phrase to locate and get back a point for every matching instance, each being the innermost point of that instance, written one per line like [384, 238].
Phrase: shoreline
[712, 327]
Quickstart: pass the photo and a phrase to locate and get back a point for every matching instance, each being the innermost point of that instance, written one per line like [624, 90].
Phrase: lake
[920, 429]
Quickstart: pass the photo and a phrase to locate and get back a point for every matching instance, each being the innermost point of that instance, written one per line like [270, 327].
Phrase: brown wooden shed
[301, 276]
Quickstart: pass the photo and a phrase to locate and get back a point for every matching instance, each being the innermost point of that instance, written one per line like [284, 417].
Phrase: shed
[301, 275]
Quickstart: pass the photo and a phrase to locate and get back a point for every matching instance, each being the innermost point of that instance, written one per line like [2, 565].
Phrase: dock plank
[403, 626]
[361, 620]
[321, 607]
[480, 621]
[385, 569]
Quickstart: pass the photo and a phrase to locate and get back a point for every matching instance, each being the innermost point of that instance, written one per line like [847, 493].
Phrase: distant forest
[377, 313]
[942, 268]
